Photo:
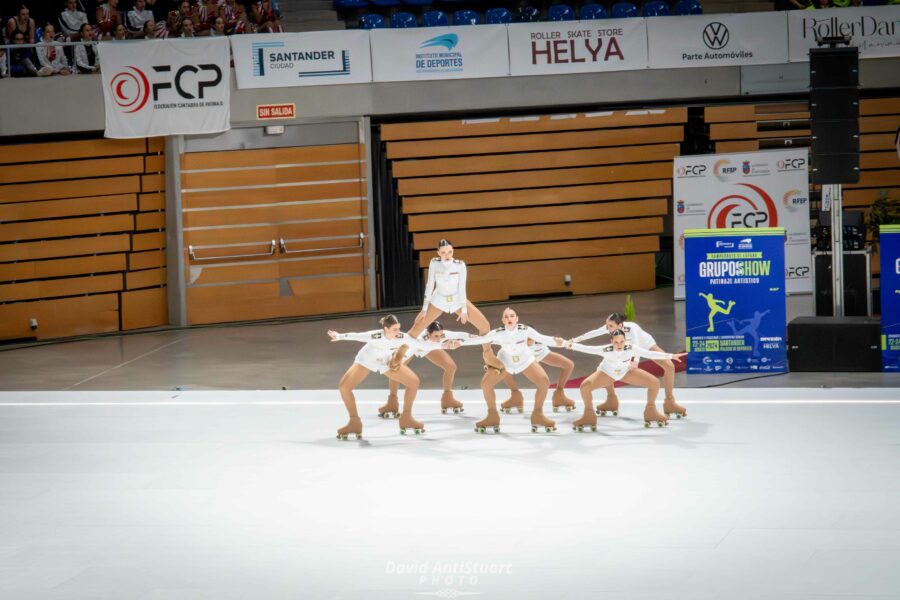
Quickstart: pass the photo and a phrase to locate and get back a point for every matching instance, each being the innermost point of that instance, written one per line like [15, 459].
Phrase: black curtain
[395, 260]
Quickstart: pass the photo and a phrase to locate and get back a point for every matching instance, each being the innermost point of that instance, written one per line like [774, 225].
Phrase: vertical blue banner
[890, 297]
[735, 300]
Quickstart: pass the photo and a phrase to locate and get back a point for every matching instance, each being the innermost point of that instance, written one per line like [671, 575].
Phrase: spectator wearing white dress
[87, 56]
[50, 53]
[137, 17]
[71, 19]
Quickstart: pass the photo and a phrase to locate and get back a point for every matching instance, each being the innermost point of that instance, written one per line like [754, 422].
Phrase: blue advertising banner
[890, 298]
[735, 300]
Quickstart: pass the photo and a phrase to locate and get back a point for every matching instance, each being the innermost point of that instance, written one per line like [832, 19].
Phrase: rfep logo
[691, 170]
[131, 87]
[755, 209]
[723, 169]
[793, 200]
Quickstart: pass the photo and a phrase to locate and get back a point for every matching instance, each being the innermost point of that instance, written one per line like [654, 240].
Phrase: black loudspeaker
[834, 114]
[856, 284]
[836, 344]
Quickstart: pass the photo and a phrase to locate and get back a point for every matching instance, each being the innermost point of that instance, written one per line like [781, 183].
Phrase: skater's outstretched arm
[477, 340]
[645, 353]
[596, 350]
[365, 336]
[544, 339]
[591, 334]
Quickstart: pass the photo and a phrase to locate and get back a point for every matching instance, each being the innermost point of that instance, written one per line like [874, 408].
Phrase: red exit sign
[275, 111]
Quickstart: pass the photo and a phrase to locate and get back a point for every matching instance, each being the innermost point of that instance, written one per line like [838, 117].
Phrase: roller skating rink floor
[762, 493]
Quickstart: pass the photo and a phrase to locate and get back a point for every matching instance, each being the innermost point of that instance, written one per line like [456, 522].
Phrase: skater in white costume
[618, 365]
[636, 336]
[445, 292]
[434, 333]
[517, 357]
[544, 355]
[383, 353]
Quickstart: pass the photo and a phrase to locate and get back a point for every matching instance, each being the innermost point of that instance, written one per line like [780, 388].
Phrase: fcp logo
[716, 35]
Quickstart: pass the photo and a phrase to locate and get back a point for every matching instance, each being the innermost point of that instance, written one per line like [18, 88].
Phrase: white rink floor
[763, 494]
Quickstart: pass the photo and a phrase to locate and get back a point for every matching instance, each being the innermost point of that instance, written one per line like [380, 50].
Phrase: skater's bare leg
[488, 383]
[566, 366]
[441, 359]
[668, 373]
[419, 325]
[352, 378]
[409, 380]
[477, 318]
[536, 374]
[641, 378]
[595, 380]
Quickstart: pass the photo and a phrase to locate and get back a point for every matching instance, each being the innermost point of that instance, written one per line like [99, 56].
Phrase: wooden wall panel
[60, 318]
[144, 308]
[554, 250]
[76, 169]
[192, 200]
[55, 151]
[70, 207]
[62, 267]
[75, 188]
[59, 248]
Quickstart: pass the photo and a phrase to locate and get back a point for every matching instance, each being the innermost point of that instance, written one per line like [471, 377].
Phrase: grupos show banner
[166, 87]
[294, 59]
[577, 46]
[890, 297]
[735, 316]
[718, 40]
[874, 29]
[439, 53]
[749, 189]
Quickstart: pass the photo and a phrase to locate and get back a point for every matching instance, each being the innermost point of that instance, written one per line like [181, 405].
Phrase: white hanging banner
[439, 53]
[874, 29]
[166, 87]
[294, 59]
[750, 189]
[578, 46]
[718, 40]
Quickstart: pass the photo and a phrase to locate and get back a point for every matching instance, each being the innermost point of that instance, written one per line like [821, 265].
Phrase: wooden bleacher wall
[527, 200]
[237, 202]
[82, 237]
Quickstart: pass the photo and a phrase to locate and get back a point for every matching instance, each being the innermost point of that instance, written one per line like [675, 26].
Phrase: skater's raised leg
[565, 366]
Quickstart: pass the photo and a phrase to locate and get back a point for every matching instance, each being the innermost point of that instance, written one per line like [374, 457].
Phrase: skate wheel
[419, 431]
[456, 411]
[663, 424]
[402, 432]
[534, 429]
[680, 416]
[443, 411]
[646, 423]
[520, 410]
[497, 429]
[555, 409]
[550, 429]
[579, 428]
[479, 430]
[593, 428]
[341, 437]
[570, 408]
[615, 413]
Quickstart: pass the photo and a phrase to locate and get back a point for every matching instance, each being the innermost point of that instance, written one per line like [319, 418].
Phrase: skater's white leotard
[539, 350]
[634, 335]
[446, 285]
[515, 352]
[378, 350]
[616, 363]
[427, 346]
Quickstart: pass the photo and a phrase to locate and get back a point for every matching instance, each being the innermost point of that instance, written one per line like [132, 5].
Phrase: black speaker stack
[834, 114]
[835, 344]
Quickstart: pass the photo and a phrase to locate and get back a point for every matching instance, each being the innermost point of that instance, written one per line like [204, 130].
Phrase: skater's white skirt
[448, 304]
[617, 371]
[374, 360]
[515, 363]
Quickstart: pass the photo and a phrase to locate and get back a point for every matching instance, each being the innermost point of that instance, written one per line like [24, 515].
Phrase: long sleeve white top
[58, 60]
[634, 334]
[446, 284]
[81, 57]
[616, 363]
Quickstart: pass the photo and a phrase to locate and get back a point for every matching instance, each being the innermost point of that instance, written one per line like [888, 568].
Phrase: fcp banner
[748, 189]
[890, 297]
[735, 316]
[166, 87]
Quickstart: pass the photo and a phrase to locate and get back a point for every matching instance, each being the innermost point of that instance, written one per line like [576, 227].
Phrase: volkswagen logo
[715, 35]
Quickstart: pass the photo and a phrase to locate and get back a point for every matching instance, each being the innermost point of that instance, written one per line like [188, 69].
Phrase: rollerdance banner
[890, 298]
[749, 189]
[735, 307]
[874, 29]
[166, 87]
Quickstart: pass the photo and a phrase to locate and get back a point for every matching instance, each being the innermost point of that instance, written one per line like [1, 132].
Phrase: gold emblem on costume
[449, 298]
[515, 359]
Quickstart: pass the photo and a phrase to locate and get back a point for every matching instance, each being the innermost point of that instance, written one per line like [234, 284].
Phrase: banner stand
[890, 297]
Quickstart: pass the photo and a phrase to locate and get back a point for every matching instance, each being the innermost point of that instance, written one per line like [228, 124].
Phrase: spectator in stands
[218, 28]
[108, 17]
[50, 53]
[149, 31]
[87, 57]
[22, 63]
[235, 17]
[187, 28]
[21, 23]
[3, 72]
[71, 19]
[120, 33]
[137, 17]
[206, 11]
[267, 18]
[184, 11]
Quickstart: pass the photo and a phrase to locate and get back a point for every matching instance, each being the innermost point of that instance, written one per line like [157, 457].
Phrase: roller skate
[492, 362]
[516, 402]
[560, 401]
[670, 407]
[589, 419]
[651, 415]
[610, 406]
[353, 426]
[449, 403]
[491, 421]
[407, 422]
[538, 420]
[391, 410]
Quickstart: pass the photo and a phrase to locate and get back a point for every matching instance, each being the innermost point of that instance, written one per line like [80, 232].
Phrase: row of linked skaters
[388, 351]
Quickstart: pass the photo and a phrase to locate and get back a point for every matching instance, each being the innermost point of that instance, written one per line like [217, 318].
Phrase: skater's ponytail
[388, 321]
[443, 243]
[434, 326]
[617, 333]
[617, 318]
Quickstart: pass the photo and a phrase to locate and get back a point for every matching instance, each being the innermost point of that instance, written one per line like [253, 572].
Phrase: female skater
[383, 353]
[436, 334]
[636, 336]
[543, 354]
[445, 292]
[617, 366]
[517, 357]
